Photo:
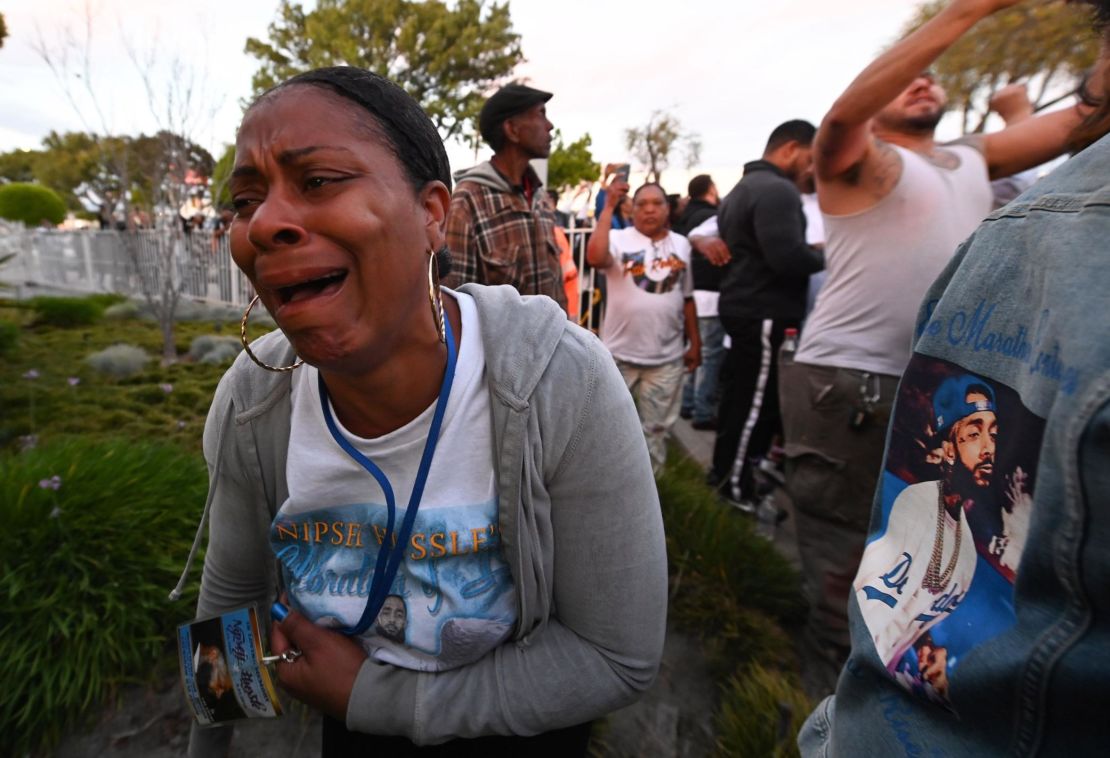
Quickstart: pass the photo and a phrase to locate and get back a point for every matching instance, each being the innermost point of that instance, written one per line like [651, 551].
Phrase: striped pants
[748, 417]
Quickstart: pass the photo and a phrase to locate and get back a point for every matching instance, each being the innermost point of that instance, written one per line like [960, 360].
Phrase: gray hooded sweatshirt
[578, 513]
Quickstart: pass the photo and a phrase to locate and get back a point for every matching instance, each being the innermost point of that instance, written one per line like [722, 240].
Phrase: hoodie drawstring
[177, 591]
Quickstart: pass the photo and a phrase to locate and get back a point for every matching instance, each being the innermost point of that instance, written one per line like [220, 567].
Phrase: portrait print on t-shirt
[937, 574]
[656, 269]
[450, 603]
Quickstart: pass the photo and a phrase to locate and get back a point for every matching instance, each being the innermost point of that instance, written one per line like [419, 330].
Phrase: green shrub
[761, 713]
[731, 635]
[31, 204]
[120, 361]
[230, 314]
[66, 311]
[105, 300]
[214, 349]
[99, 404]
[190, 311]
[9, 336]
[715, 549]
[734, 590]
[84, 572]
[122, 311]
[148, 394]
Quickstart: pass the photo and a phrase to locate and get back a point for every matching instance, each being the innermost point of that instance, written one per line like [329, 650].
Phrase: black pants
[341, 743]
[748, 417]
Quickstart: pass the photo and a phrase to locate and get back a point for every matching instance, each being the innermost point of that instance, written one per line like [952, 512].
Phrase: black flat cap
[506, 102]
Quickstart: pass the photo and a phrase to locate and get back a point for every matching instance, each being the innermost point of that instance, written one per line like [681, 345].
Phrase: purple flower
[180, 423]
[53, 483]
[73, 381]
[166, 387]
[28, 442]
[32, 374]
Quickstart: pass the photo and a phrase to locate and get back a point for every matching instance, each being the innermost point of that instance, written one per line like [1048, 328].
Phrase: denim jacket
[1006, 650]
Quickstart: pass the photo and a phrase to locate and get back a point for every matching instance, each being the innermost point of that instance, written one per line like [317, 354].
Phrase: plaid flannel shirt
[496, 238]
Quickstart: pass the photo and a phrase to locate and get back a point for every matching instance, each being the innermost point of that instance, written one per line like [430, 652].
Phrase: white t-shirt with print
[648, 283]
[452, 599]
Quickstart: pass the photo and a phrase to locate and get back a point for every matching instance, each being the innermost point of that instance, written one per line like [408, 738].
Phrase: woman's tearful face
[327, 227]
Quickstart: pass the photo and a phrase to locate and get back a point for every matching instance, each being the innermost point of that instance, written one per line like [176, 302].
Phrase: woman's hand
[615, 192]
[713, 248]
[691, 359]
[325, 674]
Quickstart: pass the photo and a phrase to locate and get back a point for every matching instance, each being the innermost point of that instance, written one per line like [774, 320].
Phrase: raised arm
[844, 140]
[1030, 142]
[597, 251]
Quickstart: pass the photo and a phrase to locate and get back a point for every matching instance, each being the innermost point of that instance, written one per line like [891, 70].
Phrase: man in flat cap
[500, 228]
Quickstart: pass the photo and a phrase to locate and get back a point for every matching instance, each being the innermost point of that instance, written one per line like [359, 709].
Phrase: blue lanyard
[393, 550]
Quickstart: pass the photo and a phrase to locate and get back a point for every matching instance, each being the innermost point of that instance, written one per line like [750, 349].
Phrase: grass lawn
[166, 403]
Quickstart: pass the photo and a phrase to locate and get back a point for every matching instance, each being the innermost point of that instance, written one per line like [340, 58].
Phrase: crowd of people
[938, 415]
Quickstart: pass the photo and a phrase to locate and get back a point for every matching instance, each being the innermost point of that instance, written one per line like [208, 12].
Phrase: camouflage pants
[657, 391]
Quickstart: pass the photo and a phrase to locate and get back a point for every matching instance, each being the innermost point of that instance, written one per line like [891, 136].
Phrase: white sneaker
[772, 469]
[744, 506]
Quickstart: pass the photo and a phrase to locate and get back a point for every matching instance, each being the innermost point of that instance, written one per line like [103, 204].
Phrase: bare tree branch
[177, 99]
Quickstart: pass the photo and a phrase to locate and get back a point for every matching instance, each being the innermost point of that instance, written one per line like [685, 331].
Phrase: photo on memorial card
[222, 669]
[208, 683]
[937, 576]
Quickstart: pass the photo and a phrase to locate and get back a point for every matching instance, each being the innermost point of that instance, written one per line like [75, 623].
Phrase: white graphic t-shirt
[452, 600]
[648, 283]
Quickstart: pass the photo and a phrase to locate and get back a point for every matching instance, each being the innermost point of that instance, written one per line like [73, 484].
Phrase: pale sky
[730, 70]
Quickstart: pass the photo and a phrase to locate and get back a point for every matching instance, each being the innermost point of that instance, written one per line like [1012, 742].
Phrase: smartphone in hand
[623, 170]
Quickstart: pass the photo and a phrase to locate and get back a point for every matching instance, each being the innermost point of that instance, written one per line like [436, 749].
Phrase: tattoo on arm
[886, 170]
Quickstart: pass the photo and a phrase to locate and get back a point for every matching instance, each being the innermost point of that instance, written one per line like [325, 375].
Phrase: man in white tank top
[896, 206]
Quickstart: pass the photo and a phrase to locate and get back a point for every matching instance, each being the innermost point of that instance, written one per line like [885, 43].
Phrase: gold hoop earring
[434, 296]
[253, 357]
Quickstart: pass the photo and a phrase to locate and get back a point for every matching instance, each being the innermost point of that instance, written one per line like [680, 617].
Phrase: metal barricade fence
[199, 264]
[129, 263]
[591, 309]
